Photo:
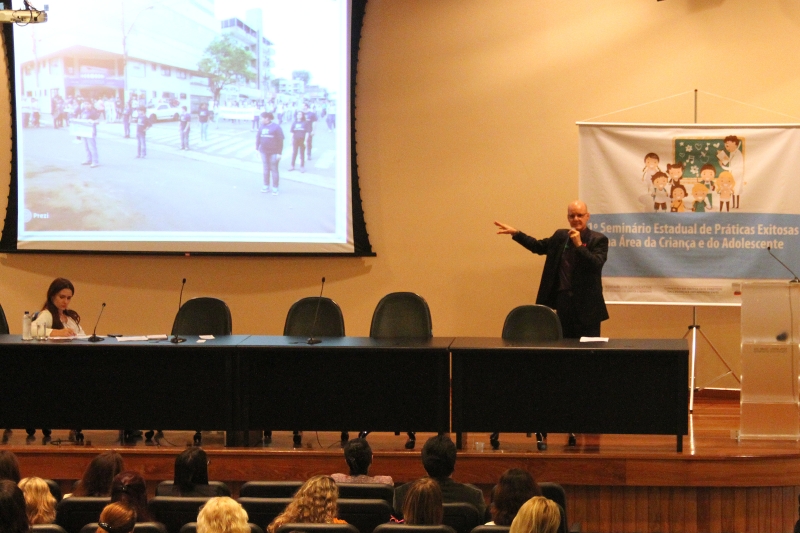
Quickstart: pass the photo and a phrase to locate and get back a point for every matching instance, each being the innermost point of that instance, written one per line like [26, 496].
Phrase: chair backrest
[406, 528]
[366, 491]
[365, 515]
[555, 492]
[491, 529]
[191, 527]
[401, 315]
[532, 323]
[140, 527]
[167, 488]
[300, 318]
[76, 511]
[269, 489]
[318, 528]
[49, 528]
[3, 322]
[263, 511]
[462, 517]
[55, 489]
[175, 511]
[203, 316]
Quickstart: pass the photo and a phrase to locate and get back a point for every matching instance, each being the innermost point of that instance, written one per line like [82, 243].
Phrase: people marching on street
[142, 125]
[185, 126]
[269, 143]
[311, 117]
[203, 116]
[90, 114]
[301, 129]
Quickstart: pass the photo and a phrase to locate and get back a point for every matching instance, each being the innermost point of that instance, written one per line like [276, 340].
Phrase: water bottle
[26, 327]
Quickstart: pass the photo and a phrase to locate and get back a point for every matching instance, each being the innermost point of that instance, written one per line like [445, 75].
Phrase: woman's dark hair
[358, 455]
[423, 504]
[191, 468]
[9, 466]
[13, 518]
[58, 285]
[96, 480]
[129, 488]
[516, 486]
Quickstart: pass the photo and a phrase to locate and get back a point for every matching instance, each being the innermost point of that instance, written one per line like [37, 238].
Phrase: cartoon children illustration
[660, 194]
[701, 196]
[650, 168]
[678, 193]
[675, 172]
[725, 188]
[733, 162]
[708, 177]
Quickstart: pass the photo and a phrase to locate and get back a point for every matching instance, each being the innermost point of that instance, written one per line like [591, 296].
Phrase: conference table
[243, 383]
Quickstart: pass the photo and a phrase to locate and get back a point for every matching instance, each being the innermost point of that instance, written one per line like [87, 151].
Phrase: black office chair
[263, 510]
[200, 316]
[530, 323]
[555, 492]
[175, 511]
[270, 489]
[76, 511]
[365, 515]
[462, 517]
[317, 528]
[191, 527]
[304, 320]
[165, 488]
[3, 322]
[405, 528]
[366, 491]
[139, 527]
[401, 315]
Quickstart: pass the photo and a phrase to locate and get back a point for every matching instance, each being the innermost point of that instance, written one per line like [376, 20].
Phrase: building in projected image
[249, 35]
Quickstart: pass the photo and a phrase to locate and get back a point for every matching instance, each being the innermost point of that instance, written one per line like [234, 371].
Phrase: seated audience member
[439, 460]
[40, 505]
[9, 466]
[537, 515]
[423, 504]
[129, 488]
[191, 475]
[516, 486]
[12, 509]
[222, 515]
[96, 480]
[315, 502]
[116, 518]
[358, 455]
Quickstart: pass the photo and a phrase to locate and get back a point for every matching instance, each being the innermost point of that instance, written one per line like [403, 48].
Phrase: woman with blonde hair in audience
[423, 504]
[40, 505]
[222, 515]
[314, 503]
[116, 518]
[537, 515]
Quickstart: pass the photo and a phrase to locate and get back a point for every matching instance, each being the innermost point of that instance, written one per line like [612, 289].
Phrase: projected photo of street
[183, 121]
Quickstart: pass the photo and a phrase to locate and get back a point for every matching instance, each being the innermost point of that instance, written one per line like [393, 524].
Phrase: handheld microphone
[175, 338]
[94, 337]
[311, 339]
[796, 279]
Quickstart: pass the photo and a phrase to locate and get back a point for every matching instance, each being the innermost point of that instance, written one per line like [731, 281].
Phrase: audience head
[40, 505]
[222, 515]
[516, 486]
[439, 456]
[96, 480]
[116, 518]
[314, 503]
[9, 466]
[537, 515]
[12, 509]
[191, 468]
[358, 455]
[129, 488]
[423, 504]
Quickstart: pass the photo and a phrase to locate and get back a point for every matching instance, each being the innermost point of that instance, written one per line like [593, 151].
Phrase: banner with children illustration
[691, 210]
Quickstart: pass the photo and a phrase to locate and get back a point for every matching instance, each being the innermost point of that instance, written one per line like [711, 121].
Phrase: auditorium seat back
[401, 315]
[191, 527]
[76, 511]
[262, 511]
[175, 511]
[462, 517]
[317, 528]
[166, 488]
[48, 528]
[365, 515]
[140, 527]
[203, 316]
[269, 489]
[490, 529]
[532, 323]
[3, 322]
[301, 317]
[366, 491]
[406, 528]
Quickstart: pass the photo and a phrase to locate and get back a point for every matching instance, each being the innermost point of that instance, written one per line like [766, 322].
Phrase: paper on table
[132, 338]
[161, 337]
[200, 341]
[207, 337]
[594, 339]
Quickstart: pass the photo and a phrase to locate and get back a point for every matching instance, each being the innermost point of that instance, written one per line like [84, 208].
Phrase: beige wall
[466, 114]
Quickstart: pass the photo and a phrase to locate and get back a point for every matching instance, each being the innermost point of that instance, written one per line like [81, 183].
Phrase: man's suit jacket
[587, 286]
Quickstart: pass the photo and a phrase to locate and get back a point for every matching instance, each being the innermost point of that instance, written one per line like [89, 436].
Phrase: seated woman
[315, 502]
[96, 480]
[537, 515]
[40, 505]
[191, 475]
[116, 518]
[130, 489]
[358, 455]
[516, 486]
[423, 504]
[9, 466]
[56, 317]
[222, 515]
[12, 508]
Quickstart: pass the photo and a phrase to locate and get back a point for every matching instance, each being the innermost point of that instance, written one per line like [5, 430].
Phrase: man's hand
[505, 229]
[575, 236]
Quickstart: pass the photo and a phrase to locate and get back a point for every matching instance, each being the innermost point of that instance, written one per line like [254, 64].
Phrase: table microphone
[796, 279]
[94, 337]
[311, 339]
[175, 338]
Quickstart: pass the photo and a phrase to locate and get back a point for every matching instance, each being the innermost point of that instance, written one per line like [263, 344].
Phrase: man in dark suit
[571, 280]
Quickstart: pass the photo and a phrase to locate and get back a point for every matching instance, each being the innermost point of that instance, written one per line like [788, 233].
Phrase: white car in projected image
[163, 112]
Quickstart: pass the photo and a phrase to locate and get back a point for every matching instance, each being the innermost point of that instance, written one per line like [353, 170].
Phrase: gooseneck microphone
[311, 339]
[175, 338]
[796, 279]
[94, 337]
